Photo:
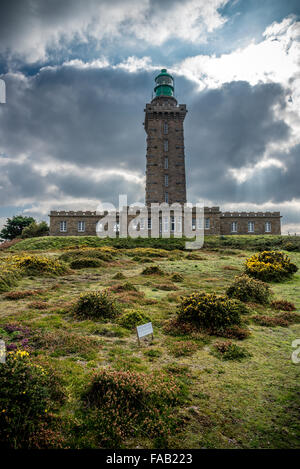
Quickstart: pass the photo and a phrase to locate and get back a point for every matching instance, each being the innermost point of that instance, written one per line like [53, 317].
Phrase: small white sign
[143, 330]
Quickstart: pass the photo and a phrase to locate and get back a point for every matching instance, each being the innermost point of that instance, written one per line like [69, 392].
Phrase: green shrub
[229, 351]
[14, 227]
[211, 312]
[177, 277]
[193, 256]
[9, 276]
[270, 266]
[129, 404]
[131, 319]
[142, 260]
[123, 287]
[152, 270]
[245, 288]
[96, 305]
[292, 246]
[77, 254]
[35, 230]
[153, 353]
[119, 276]
[147, 252]
[26, 394]
[85, 262]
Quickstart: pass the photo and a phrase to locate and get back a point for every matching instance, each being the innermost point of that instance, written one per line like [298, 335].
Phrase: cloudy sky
[79, 72]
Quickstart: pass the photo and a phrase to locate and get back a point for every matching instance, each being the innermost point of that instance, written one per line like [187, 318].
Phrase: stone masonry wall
[220, 223]
[243, 218]
[164, 123]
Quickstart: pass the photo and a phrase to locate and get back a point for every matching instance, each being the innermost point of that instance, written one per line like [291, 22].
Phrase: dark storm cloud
[107, 190]
[279, 184]
[93, 118]
[22, 182]
[86, 117]
[228, 128]
[39, 31]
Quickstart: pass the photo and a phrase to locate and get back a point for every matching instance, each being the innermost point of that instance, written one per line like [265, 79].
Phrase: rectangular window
[268, 227]
[166, 180]
[200, 223]
[149, 224]
[81, 226]
[63, 226]
[166, 224]
[172, 224]
[166, 145]
[250, 226]
[166, 128]
[207, 223]
[234, 227]
[166, 163]
[166, 197]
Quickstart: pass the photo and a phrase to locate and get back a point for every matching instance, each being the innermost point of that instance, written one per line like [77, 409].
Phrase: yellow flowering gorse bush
[25, 396]
[37, 265]
[210, 311]
[270, 266]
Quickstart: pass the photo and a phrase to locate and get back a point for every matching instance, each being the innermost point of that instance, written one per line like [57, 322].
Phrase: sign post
[143, 330]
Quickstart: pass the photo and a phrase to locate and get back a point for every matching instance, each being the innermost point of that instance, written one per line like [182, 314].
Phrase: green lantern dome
[164, 84]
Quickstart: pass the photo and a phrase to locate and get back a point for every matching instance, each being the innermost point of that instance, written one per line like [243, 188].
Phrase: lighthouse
[165, 158]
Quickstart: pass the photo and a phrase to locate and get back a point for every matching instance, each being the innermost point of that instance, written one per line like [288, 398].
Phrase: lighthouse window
[166, 180]
[166, 145]
[166, 128]
[166, 163]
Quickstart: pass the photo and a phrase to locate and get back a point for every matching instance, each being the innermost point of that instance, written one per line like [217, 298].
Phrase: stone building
[166, 180]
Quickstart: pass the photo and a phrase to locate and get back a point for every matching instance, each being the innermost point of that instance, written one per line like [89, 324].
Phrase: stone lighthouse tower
[165, 168]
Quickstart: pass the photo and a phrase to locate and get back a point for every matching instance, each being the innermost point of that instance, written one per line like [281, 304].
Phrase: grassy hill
[250, 402]
[250, 242]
